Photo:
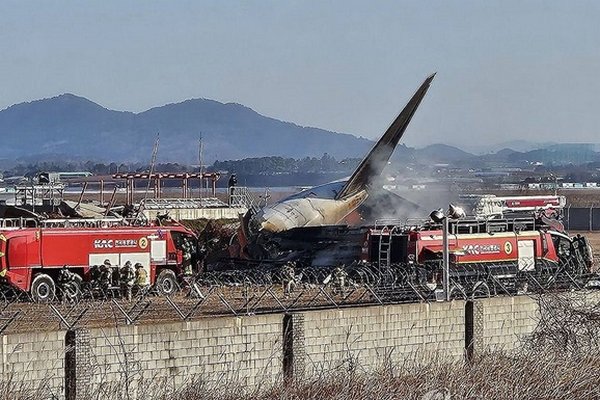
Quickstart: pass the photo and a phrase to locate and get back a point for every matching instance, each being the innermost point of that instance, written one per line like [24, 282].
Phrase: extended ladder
[385, 240]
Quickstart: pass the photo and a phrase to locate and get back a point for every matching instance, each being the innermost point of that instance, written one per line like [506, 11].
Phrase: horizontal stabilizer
[372, 165]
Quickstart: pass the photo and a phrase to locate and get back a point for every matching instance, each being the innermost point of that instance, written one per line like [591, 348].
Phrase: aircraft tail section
[372, 165]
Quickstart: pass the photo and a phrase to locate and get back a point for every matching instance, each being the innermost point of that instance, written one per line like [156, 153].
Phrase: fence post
[293, 347]
[474, 327]
[288, 348]
[78, 370]
[469, 331]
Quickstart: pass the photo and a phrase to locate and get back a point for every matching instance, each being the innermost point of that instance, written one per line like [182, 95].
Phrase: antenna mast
[200, 161]
[152, 164]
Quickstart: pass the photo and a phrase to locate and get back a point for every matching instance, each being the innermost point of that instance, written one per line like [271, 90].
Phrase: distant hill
[74, 127]
[566, 153]
[516, 145]
[443, 153]
[556, 154]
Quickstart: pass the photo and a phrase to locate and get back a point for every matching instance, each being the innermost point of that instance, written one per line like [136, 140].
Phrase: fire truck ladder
[385, 240]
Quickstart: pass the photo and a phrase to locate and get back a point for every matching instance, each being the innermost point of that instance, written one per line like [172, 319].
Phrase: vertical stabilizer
[372, 165]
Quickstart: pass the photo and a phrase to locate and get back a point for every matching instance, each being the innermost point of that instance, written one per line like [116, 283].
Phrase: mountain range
[70, 127]
[73, 126]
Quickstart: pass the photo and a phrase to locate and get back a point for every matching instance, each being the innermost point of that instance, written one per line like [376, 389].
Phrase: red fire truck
[504, 249]
[31, 258]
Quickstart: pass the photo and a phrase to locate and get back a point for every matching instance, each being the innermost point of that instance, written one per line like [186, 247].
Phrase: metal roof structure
[167, 204]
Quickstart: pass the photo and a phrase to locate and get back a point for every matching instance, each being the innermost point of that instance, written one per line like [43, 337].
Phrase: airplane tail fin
[372, 165]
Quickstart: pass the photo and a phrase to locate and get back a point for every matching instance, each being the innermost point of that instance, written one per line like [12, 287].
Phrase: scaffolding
[156, 182]
[33, 195]
[166, 204]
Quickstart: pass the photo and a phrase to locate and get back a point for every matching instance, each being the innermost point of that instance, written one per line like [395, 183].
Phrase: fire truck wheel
[42, 288]
[166, 282]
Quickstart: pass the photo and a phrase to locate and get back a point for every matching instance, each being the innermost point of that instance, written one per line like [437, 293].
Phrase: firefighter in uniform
[141, 278]
[231, 184]
[127, 279]
[64, 276]
[187, 259]
[339, 278]
[106, 276]
[288, 277]
[69, 283]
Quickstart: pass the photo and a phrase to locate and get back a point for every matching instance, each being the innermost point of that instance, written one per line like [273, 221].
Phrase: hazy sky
[506, 70]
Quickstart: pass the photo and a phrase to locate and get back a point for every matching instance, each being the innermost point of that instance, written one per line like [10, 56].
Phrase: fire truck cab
[31, 258]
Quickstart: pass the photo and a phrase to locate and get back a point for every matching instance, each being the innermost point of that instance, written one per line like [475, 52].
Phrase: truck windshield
[187, 244]
[562, 245]
[184, 241]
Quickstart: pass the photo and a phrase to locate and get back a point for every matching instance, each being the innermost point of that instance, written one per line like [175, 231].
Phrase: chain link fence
[582, 218]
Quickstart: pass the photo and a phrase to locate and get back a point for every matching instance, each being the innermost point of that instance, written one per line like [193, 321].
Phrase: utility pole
[150, 173]
[446, 258]
[152, 165]
[200, 167]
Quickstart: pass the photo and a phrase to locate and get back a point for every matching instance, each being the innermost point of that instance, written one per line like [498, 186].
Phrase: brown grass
[491, 376]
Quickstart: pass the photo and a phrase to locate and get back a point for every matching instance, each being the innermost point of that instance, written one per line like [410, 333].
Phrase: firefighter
[69, 283]
[288, 277]
[339, 278]
[202, 253]
[141, 278]
[64, 275]
[95, 274]
[587, 254]
[127, 280]
[232, 183]
[231, 187]
[187, 259]
[106, 276]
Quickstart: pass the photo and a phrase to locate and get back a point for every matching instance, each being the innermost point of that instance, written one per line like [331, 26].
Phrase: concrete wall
[231, 349]
[374, 337]
[502, 322]
[34, 361]
[262, 348]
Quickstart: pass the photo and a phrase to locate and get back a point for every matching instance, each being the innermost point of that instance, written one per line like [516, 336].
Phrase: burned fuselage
[328, 204]
[317, 206]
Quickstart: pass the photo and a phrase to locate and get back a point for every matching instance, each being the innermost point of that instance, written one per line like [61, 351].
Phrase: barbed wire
[275, 289]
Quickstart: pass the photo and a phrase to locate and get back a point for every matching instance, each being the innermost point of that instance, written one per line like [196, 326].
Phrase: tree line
[273, 165]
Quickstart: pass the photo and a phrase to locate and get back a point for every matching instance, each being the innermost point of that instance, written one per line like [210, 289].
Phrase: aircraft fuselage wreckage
[328, 204]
